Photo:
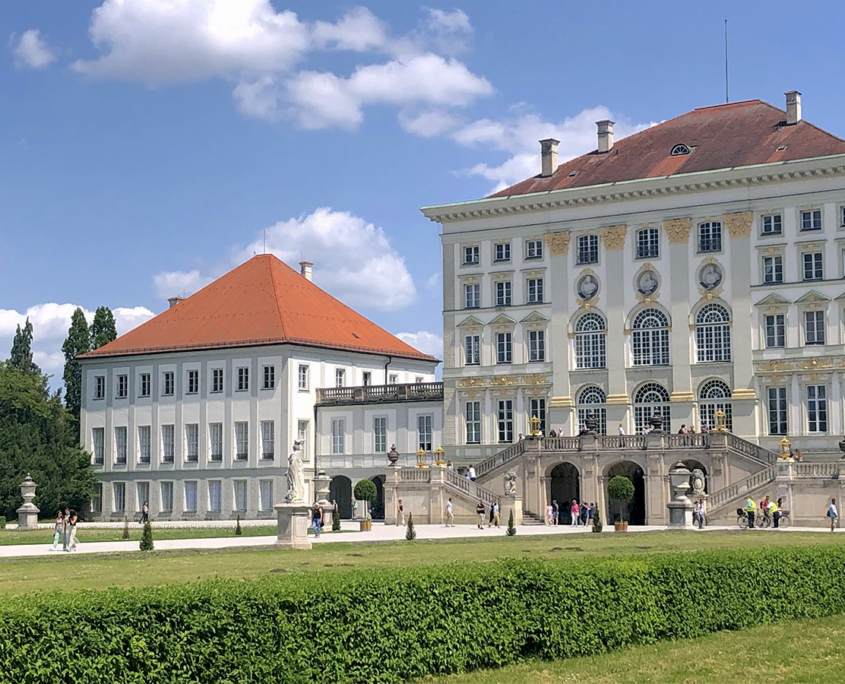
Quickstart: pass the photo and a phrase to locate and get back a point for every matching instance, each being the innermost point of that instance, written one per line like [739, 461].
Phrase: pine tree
[410, 532]
[335, 520]
[21, 356]
[125, 529]
[147, 537]
[597, 526]
[103, 328]
[238, 530]
[511, 526]
[78, 342]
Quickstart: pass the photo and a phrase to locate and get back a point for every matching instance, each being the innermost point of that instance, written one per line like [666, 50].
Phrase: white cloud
[424, 341]
[456, 21]
[434, 284]
[31, 51]
[359, 30]
[428, 124]
[171, 283]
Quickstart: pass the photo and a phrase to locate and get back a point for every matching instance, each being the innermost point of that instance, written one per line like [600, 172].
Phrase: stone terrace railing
[750, 449]
[375, 394]
[415, 475]
[471, 489]
[737, 489]
[815, 470]
[505, 455]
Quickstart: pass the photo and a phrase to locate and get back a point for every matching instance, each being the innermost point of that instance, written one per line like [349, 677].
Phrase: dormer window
[678, 150]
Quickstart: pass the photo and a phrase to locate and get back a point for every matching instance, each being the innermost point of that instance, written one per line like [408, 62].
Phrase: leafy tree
[511, 526]
[21, 356]
[103, 328]
[39, 436]
[78, 342]
[597, 526]
[621, 490]
[410, 532]
[147, 537]
[365, 491]
[335, 520]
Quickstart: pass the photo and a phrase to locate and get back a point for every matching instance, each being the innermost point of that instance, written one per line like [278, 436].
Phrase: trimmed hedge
[389, 626]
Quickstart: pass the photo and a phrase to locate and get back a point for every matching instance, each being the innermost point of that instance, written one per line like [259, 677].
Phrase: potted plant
[365, 491]
[621, 490]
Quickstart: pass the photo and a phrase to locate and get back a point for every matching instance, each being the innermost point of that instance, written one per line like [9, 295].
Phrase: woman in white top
[60, 528]
[549, 514]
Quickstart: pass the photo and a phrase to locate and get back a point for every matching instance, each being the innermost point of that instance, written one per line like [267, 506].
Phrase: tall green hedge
[389, 626]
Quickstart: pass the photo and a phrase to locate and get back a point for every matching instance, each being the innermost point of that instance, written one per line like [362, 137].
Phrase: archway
[566, 486]
[692, 465]
[636, 507]
[377, 506]
[340, 491]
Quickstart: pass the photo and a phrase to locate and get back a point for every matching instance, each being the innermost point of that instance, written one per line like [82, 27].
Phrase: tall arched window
[714, 395]
[591, 400]
[713, 333]
[650, 333]
[590, 342]
[649, 399]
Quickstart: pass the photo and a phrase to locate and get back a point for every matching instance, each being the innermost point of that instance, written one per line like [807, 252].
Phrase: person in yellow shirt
[750, 509]
[774, 512]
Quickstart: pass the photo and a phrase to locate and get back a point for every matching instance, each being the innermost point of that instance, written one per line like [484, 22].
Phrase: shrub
[238, 530]
[147, 537]
[2, 522]
[621, 490]
[410, 532]
[597, 526]
[511, 526]
[275, 629]
[125, 529]
[336, 519]
[365, 491]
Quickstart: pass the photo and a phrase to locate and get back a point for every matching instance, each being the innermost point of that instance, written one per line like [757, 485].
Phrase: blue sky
[147, 144]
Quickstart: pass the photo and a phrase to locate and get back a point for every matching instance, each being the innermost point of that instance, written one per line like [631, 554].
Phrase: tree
[620, 489]
[78, 342]
[365, 491]
[511, 526]
[238, 530]
[125, 534]
[597, 526]
[103, 328]
[147, 537]
[410, 532]
[336, 519]
[21, 356]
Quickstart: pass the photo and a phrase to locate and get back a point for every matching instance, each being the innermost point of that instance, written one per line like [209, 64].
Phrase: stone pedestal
[680, 514]
[680, 507]
[28, 513]
[322, 486]
[292, 530]
[508, 504]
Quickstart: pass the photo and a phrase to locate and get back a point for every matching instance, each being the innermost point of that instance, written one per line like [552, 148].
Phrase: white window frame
[709, 237]
[713, 334]
[473, 422]
[425, 431]
[588, 250]
[774, 330]
[650, 344]
[192, 442]
[168, 443]
[777, 410]
[340, 377]
[216, 380]
[302, 433]
[269, 377]
[241, 440]
[119, 497]
[379, 434]
[812, 268]
[590, 342]
[648, 243]
[534, 290]
[338, 436]
[815, 333]
[191, 494]
[98, 441]
[165, 495]
[537, 407]
[100, 387]
[193, 385]
[215, 441]
[501, 252]
[536, 346]
[772, 269]
[504, 292]
[302, 377]
[504, 421]
[144, 444]
[471, 255]
[472, 350]
[472, 296]
[168, 388]
[144, 385]
[533, 249]
[122, 390]
[215, 496]
[775, 224]
[240, 490]
[120, 446]
[265, 495]
[810, 220]
[268, 439]
[243, 379]
[504, 347]
[818, 417]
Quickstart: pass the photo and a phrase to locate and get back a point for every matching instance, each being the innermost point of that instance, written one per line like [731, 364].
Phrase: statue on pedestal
[296, 484]
[510, 484]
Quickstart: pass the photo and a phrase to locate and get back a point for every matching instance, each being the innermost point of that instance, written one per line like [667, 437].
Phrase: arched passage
[565, 486]
[636, 507]
[377, 507]
[340, 492]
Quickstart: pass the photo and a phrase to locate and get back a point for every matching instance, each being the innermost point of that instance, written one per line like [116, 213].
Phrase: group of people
[480, 510]
[699, 514]
[579, 514]
[65, 529]
[768, 509]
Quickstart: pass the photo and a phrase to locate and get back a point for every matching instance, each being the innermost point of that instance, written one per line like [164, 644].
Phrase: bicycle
[742, 519]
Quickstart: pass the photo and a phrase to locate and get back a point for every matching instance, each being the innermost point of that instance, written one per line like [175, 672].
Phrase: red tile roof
[262, 301]
[721, 137]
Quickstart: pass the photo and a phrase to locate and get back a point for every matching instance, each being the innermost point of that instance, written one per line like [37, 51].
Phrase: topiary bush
[147, 537]
[2, 522]
[335, 520]
[410, 532]
[597, 526]
[621, 490]
[238, 530]
[365, 490]
[125, 529]
[511, 527]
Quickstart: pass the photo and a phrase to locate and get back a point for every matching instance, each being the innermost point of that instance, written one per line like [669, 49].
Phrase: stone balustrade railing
[472, 489]
[374, 394]
[735, 490]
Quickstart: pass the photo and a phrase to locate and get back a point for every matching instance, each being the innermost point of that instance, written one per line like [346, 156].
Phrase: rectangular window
[503, 348]
[144, 444]
[241, 440]
[265, 494]
[169, 384]
[120, 445]
[190, 496]
[472, 350]
[122, 386]
[243, 379]
[144, 390]
[142, 491]
[814, 327]
[588, 249]
[215, 439]
[648, 243]
[505, 421]
[503, 293]
[472, 296]
[193, 382]
[338, 435]
[473, 420]
[339, 377]
[394, 378]
[215, 495]
[302, 377]
[710, 236]
[167, 443]
[536, 345]
[97, 498]
[471, 257]
[240, 495]
[813, 268]
[816, 408]
[534, 249]
[368, 378]
[166, 490]
[535, 290]
[119, 496]
[773, 269]
[269, 377]
[811, 219]
[99, 438]
[842, 217]
[537, 408]
[302, 436]
[771, 224]
[100, 387]
[502, 251]
[217, 380]
[192, 438]
[777, 410]
[775, 331]
[424, 431]
[268, 439]
[380, 434]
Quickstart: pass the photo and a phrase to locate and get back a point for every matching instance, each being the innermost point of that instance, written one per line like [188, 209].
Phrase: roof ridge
[732, 104]
[270, 265]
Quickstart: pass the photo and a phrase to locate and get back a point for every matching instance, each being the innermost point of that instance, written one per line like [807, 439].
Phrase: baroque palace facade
[692, 267]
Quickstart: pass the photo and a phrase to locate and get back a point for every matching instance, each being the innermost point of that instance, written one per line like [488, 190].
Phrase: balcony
[380, 394]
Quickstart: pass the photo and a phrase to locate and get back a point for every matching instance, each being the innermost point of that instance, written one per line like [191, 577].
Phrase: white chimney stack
[548, 154]
[605, 135]
[305, 269]
[793, 107]
[173, 301]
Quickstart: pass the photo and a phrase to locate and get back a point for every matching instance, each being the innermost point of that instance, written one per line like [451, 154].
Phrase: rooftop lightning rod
[727, 99]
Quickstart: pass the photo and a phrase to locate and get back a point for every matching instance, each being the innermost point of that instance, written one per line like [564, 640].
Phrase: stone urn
[656, 422]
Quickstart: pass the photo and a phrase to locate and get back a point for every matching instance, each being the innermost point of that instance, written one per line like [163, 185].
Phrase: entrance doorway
[636, 507]
[377, 506]
[340, 491]
[566, 486]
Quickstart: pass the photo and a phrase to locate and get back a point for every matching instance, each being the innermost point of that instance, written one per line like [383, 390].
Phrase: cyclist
[774, 512]
[750, 508]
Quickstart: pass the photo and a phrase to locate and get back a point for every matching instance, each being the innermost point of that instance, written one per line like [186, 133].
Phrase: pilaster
[614, 243]
[561, 405]
[678, 233]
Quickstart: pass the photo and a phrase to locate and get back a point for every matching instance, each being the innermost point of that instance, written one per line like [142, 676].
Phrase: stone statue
[647, 283]
[588, 287]
[711, 276]
[510, 484]
[697, 482]
[296, 484]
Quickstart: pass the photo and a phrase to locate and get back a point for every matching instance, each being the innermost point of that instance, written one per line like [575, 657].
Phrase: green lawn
[800, 652]
[19, 576]
[11, 537]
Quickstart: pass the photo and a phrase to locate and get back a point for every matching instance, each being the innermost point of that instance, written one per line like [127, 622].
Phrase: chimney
[793, 107]
[173, 301]
[605, 135]
[548, 154]
[305, 269]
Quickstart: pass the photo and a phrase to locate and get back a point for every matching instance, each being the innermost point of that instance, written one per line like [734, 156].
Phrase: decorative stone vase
[656, 422]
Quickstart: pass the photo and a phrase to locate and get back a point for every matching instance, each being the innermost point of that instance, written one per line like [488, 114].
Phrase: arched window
[713, 333]
[714, 395]
[649, 399]
[650, 338]
[680, 149]
[591, 400]
[590, 342]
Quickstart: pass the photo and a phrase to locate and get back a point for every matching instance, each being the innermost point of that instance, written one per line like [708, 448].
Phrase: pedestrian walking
[583, 513]
[450, 516]
[449, 465]
[621, 429]
[60, 528]
[317, 519]
[492, 512]
[479, 509]
[696, 514]
[71, 544]
[145, 512]
[400, 513]
[65, 529]
[833, 514]
[471, 473]
[702, 514]
[574, 512]
[555, 512]
[591, 513]
[494, 516]
[549, 514]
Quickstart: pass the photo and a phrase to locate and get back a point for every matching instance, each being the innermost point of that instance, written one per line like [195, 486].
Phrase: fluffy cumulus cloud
[424, 341]
[171, 283]
[31, 51]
